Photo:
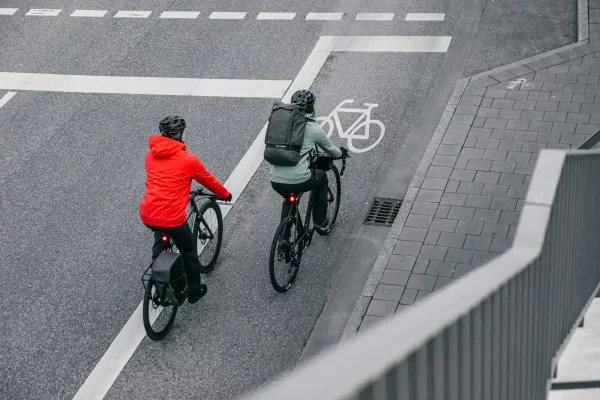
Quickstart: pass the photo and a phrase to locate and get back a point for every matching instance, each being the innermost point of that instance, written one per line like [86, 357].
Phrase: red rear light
[165, 238]
[292, 199]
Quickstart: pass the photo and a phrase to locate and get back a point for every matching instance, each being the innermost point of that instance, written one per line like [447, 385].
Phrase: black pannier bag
[169, 278]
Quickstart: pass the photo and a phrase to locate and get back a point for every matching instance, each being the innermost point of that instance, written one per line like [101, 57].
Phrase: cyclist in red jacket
[169, 173]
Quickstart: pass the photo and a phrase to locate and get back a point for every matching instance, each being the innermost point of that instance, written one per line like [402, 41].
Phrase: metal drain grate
[383, 211]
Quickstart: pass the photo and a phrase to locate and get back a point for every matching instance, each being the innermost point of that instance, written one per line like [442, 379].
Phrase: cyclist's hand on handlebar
[227, 199]
[344, 152]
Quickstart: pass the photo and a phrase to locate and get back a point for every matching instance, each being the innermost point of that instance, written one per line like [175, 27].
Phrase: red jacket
[169, 173]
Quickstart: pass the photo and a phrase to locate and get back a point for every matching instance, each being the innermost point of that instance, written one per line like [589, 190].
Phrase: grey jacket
[300, 172]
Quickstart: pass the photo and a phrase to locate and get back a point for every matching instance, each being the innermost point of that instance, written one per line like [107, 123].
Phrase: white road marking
[6, 98]
[227, 15]
[324, 16]
[89, 13]
[425, 17]
[425, 44]
[143, 85]
[132, 14]
[374, 16]
[276, 15]
[43, 12]
[180, 14]
[8, 11]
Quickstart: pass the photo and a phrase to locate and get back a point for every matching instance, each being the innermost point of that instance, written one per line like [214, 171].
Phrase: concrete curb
[501, 73]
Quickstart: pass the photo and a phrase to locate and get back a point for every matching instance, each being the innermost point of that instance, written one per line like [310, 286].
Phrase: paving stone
[510, 114]
[488, 112]
[544, 77]
[432, 237]
[520, 70]
[443, 225]
[524, 168]
[555, 116]
[462, 119]
[533, 147]
[421, 266]
[418, 221]
[546, 106]
[452, 186]
[574, 88]
[462, 269]
[495, 123]
[478, 165]
[388, 292]
[441, 268]
[569, 107]
[506, 134]
[561, 96]
[503, 76]
[470, 142]
[478, 202]
[413, 234]
[587, 129]
[407, 248]
[500, 245]
[450, 240]
[579, 70]
[502, 166]
[540, 126]
[583, 98]
[502, 203]
[482, 257]
[511, 179]
[559, 146]
[559, 69]
[471, 100]
[518, 124]
[510, 145]
[590, 108]
[483, 215]
[439, 172]
[486, 102]
[462, 175]
[572, 138]
[423, 293]
[433, 252]
[463, 109]
[588, 79]
[448, 149]
[527, 180]
[498, 155]
[469, 227]
[477, 243]
[516, 95]
[485, 133]
[423, 208]
[461, 213]
[538, 96]
[442, 211]
[475, 90]
[509, 218]
[489, 177]
[533, 115]
[453, 139]
[582, 118]
[381, 308]
[487, 143]
[441, 282]
[409, 296]
[548, 137]
[496, 93]
[401, 262]
[368, 322]
[566, 78]
[517, 192]
[536, 65]
[553, 87]
[526, 136]
[495, 230]
[518, 156]
[512, 232]
[503, 103]
[471, 153]
[484, 81]
[520, 204]
[434, 183]
[443, 160]
[563, 127]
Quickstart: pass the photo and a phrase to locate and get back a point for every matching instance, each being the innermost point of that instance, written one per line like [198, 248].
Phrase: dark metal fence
[497, 332]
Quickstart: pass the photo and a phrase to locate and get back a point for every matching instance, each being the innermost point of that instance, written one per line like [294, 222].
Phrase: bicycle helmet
[172, 126]
[304, 97]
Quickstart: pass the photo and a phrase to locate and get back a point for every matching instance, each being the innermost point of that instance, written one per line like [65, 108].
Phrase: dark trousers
[318, 183]
[185, 242]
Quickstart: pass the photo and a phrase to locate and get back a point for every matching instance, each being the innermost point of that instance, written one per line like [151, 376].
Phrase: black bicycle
[293, 236]
[206, 223]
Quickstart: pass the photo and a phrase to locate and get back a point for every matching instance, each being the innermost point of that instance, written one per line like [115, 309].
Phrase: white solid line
[43, 12]
[6, 98]
[425, 16]
[89, 13]
[400, 44]
[180, 14]
[8, 11]
[374, 16]
[276, 15]
[324, 16]
[227, 15]
[132, 14]
[122, 348]
[143, 85]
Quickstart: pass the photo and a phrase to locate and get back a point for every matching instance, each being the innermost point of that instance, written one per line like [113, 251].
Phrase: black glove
[228, 198]
[344, 152]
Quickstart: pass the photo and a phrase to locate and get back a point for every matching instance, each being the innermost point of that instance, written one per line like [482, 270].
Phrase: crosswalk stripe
[43, 12]
[227, 15]
[374, 16]
[324, 16]
[8, 11]
[133, 14]
[425, 17]
[89, 13]
[180, 14]
[276, 15]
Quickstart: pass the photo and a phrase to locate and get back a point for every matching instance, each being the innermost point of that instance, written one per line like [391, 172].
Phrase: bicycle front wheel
[158, 320]
[286, 254]
[208, 231]
[334, 192]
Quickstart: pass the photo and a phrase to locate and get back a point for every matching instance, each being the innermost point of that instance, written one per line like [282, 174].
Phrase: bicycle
[207, 226]
[299, 234]
[333, 119]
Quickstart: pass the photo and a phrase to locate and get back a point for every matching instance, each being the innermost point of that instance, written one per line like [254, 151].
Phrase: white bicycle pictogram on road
[363, 121]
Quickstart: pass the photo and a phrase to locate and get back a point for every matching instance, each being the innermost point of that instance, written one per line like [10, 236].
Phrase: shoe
[196, 293]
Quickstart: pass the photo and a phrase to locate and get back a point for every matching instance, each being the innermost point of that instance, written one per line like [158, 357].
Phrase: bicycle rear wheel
[334, 192]
[208, 231]
[158, 320]
[286, 255]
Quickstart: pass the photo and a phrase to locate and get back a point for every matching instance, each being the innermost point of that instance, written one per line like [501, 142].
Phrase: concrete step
[577, 394]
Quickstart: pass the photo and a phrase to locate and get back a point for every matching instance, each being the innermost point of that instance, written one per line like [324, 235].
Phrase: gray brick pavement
[467, 205]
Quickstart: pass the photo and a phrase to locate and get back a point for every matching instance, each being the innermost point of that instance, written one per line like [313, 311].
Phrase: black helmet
[304, 97]
[172, 126]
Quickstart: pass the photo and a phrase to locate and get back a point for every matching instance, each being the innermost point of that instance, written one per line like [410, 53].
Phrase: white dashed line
[324, 16]
[133, 14]
[43, 12]
[89, 13]
[227, 15]
[425, 17]
[6, 98]
[8, 11]
[374, 16]
[276, 15]
[180, 14]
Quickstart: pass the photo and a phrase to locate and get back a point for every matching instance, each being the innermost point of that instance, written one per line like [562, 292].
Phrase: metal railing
[497, 332]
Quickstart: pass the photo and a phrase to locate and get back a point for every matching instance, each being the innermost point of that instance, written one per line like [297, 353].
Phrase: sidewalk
[463, 205]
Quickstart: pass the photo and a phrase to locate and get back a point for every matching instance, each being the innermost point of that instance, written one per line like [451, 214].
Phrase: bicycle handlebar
[200, 192]
[336, 158]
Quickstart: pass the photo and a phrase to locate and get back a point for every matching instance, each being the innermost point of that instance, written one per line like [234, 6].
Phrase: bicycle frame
[365, 114]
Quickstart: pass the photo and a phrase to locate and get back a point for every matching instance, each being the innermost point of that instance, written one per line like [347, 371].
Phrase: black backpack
[285, 134]
[169, 278]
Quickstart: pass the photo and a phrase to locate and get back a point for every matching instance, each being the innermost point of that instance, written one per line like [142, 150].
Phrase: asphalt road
[72, 174]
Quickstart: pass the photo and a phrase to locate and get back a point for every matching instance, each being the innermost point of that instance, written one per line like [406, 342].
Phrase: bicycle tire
[154, 334]
[337, 193]
[377, 122]
[294, 260]
[208, 263]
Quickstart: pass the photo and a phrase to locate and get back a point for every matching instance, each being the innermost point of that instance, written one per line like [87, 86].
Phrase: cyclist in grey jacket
[300, 177]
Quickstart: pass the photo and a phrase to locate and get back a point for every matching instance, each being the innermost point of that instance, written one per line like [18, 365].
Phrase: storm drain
[383, 211]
